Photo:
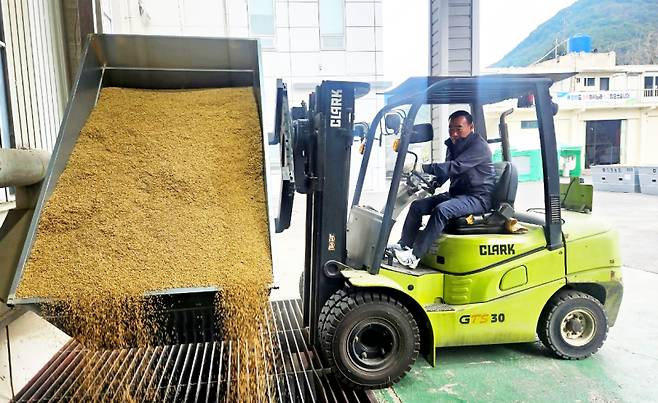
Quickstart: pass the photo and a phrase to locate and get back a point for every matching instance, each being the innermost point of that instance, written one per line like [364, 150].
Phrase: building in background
[607, 110]
[454, 51]
[302, 42]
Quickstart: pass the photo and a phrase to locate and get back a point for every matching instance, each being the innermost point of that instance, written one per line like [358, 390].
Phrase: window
[649, 82]
[651, 86]
[602, 142]
[589, 81]
[261, 17]
[604, 84]
[529, 124]
[332, 24]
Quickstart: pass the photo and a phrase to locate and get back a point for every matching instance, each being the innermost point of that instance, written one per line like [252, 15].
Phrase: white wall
[37, 87]
[171, 17]
[647, 152]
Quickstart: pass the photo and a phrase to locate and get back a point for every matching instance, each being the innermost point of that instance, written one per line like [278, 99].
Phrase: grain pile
[164, 189]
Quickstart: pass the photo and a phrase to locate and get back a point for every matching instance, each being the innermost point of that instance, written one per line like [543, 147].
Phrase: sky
[406, 34]
[503, 24]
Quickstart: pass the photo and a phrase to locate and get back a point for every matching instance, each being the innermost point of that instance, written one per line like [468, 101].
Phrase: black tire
[370, 338]
[573, 325]
[327, 308]
[541, 325]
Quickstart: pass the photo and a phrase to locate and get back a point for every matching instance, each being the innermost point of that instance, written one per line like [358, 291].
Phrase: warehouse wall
[35, 75]
[454, 50]
[648, 150]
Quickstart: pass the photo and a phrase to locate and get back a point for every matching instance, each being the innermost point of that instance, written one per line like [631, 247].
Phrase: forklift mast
[315, 160]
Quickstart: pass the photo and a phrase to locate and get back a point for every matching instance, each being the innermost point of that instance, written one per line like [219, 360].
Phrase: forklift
[480, 283]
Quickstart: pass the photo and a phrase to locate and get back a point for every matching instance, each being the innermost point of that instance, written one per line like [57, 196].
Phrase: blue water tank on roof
[580, 43]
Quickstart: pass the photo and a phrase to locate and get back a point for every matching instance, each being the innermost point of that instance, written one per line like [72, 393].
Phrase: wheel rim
[578, 327]
[372, 344]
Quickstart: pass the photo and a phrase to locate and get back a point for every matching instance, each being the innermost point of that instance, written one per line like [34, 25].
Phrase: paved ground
[635, 216]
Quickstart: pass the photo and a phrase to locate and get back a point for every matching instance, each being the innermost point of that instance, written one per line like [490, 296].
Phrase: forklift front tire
[573, 326]
[370, 338]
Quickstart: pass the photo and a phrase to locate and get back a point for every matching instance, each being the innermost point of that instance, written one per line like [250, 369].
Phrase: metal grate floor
[194, 371]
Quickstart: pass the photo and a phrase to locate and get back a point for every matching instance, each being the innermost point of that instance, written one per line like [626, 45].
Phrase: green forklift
[481, 283]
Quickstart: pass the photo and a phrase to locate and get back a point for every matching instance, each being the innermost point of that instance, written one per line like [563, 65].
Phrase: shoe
[395, 246]
[407, 258]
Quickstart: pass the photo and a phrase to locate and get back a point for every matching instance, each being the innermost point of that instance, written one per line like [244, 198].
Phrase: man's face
[459, 128]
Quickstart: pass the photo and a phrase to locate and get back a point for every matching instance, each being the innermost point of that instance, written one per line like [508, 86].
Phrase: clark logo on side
[336, 108]
[504, 249]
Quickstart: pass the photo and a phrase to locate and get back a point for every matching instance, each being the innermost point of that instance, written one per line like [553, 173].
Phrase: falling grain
[164, 189]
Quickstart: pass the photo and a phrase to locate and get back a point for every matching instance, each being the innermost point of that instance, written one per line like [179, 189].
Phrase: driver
[469, 167]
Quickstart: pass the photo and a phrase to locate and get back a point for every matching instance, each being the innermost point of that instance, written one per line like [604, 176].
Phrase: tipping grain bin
[144, 62]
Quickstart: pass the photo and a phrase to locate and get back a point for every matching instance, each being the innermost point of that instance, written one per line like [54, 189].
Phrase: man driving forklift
[469, 167]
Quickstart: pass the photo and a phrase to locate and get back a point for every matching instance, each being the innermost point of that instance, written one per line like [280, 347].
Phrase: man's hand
[437, 172]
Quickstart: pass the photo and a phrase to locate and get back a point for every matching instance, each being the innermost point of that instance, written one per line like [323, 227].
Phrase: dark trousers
[440, 208]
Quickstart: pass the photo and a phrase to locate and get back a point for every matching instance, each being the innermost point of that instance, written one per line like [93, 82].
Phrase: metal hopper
[131, 61]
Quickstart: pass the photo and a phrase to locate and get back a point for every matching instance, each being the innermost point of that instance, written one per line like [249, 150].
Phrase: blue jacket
[469, 167]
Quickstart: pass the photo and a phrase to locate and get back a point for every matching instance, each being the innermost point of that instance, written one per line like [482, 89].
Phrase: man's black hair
[461, 113]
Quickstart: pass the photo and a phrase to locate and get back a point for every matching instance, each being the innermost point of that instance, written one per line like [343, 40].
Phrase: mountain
[628, 27]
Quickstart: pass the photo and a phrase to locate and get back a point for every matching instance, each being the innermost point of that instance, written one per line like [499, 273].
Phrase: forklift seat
[507, 182]
[504, 194]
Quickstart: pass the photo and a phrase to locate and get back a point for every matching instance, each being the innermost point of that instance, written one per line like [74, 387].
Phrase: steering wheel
[429, 185]
[420, 177]
[425, 181]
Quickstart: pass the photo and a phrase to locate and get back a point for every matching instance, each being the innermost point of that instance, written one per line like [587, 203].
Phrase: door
[602, 142]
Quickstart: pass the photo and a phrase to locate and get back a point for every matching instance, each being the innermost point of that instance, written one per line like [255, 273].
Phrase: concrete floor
[624, 369]
[32, 341]
[635, 216]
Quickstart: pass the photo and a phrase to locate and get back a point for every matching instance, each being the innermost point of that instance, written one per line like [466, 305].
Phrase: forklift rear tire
[573, 325]
[370, 338]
